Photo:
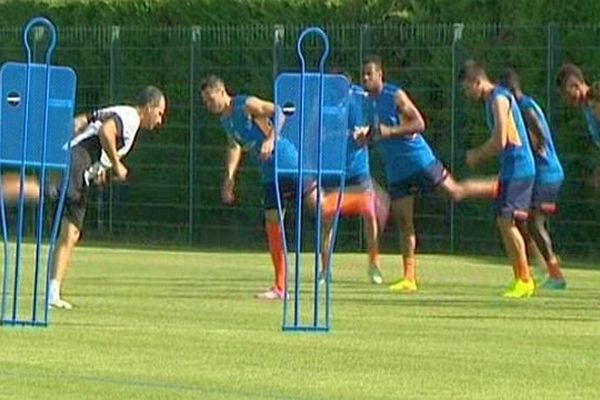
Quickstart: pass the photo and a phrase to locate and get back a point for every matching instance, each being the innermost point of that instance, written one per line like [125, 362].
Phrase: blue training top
[357, 157]
[516, 158]
[403, 155]
[593, 124]
[240, 127]
[547, 165]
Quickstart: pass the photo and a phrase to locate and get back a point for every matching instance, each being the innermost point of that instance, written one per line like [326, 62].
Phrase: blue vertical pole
[115, 39]
[195, 39]
[44, 155]
[456, 41]
[5, 282]
[321, 96]
[278, 40]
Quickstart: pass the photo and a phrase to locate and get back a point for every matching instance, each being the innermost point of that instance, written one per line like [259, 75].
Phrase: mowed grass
[184, 325]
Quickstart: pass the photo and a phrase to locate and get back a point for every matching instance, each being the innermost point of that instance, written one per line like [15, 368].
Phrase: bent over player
[101, 141]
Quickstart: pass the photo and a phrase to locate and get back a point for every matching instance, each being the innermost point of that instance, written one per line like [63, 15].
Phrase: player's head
[510, 80]
[152, 105]
[372, 74]
[337, 70]
[214, 95]
[572, 84]
[472, 77]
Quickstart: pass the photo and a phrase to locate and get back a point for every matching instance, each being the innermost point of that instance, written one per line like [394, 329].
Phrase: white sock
[54, 289]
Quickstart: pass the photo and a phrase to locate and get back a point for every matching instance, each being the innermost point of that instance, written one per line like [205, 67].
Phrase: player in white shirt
[100, 142]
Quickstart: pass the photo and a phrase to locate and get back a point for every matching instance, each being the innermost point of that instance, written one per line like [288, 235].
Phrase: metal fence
[172, 196]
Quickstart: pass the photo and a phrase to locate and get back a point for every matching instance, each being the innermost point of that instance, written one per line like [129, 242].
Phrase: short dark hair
[149, 96]
[337, 70]
[375, 60]
[509, 78]
[567, 71]
[471, 70]
[211, 82]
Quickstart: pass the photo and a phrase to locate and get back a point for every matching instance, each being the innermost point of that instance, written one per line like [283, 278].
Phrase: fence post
[115, 62]
[278, 37]
[365, 45]
[194, 49]
[552, 61]
[364, 49]
[457, 56]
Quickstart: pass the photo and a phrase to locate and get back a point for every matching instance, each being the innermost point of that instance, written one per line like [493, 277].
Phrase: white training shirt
[127, 120]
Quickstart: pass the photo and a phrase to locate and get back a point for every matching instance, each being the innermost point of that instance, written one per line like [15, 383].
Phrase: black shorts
[422, 181]
[287, 189]
[77, 190]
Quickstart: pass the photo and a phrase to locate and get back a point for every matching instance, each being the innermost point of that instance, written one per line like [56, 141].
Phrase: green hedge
[209, 12]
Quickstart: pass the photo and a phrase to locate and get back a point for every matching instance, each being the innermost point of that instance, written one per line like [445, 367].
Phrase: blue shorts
[287, 188]
[545, 196]
[361, 182]
[423, 181]
[513, 198]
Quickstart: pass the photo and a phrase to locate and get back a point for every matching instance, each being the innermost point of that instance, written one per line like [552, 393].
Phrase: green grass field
[177, 325]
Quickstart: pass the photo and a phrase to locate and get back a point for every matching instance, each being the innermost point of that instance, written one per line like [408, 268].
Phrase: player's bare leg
[371, 232]
[276, 249]
[517, 254]
[11, 185]
[382, 205]
[67, 240]
[327, 236]
[470, 188]
[541, 236]
[355, 201]
[403, 214]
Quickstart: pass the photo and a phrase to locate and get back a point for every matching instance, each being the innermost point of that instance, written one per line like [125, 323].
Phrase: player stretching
[548, 179]
[510, 143]
[249, 124]
[101, 140]
[410, 165]
[359, 197]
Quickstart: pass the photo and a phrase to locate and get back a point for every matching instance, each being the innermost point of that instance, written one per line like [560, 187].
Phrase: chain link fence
[172, 196]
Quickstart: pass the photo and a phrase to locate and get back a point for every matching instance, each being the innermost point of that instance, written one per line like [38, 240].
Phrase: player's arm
[534, 128]
[261, 112]
[498, 139]
[412, 120]
[234, 155]
[358, 121]
[108, 135]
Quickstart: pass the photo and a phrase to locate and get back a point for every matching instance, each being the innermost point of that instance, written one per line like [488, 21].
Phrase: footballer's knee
[271, 216]
[70, 234]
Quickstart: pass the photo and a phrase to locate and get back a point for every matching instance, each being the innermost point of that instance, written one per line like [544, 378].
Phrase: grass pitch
[183, 325]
